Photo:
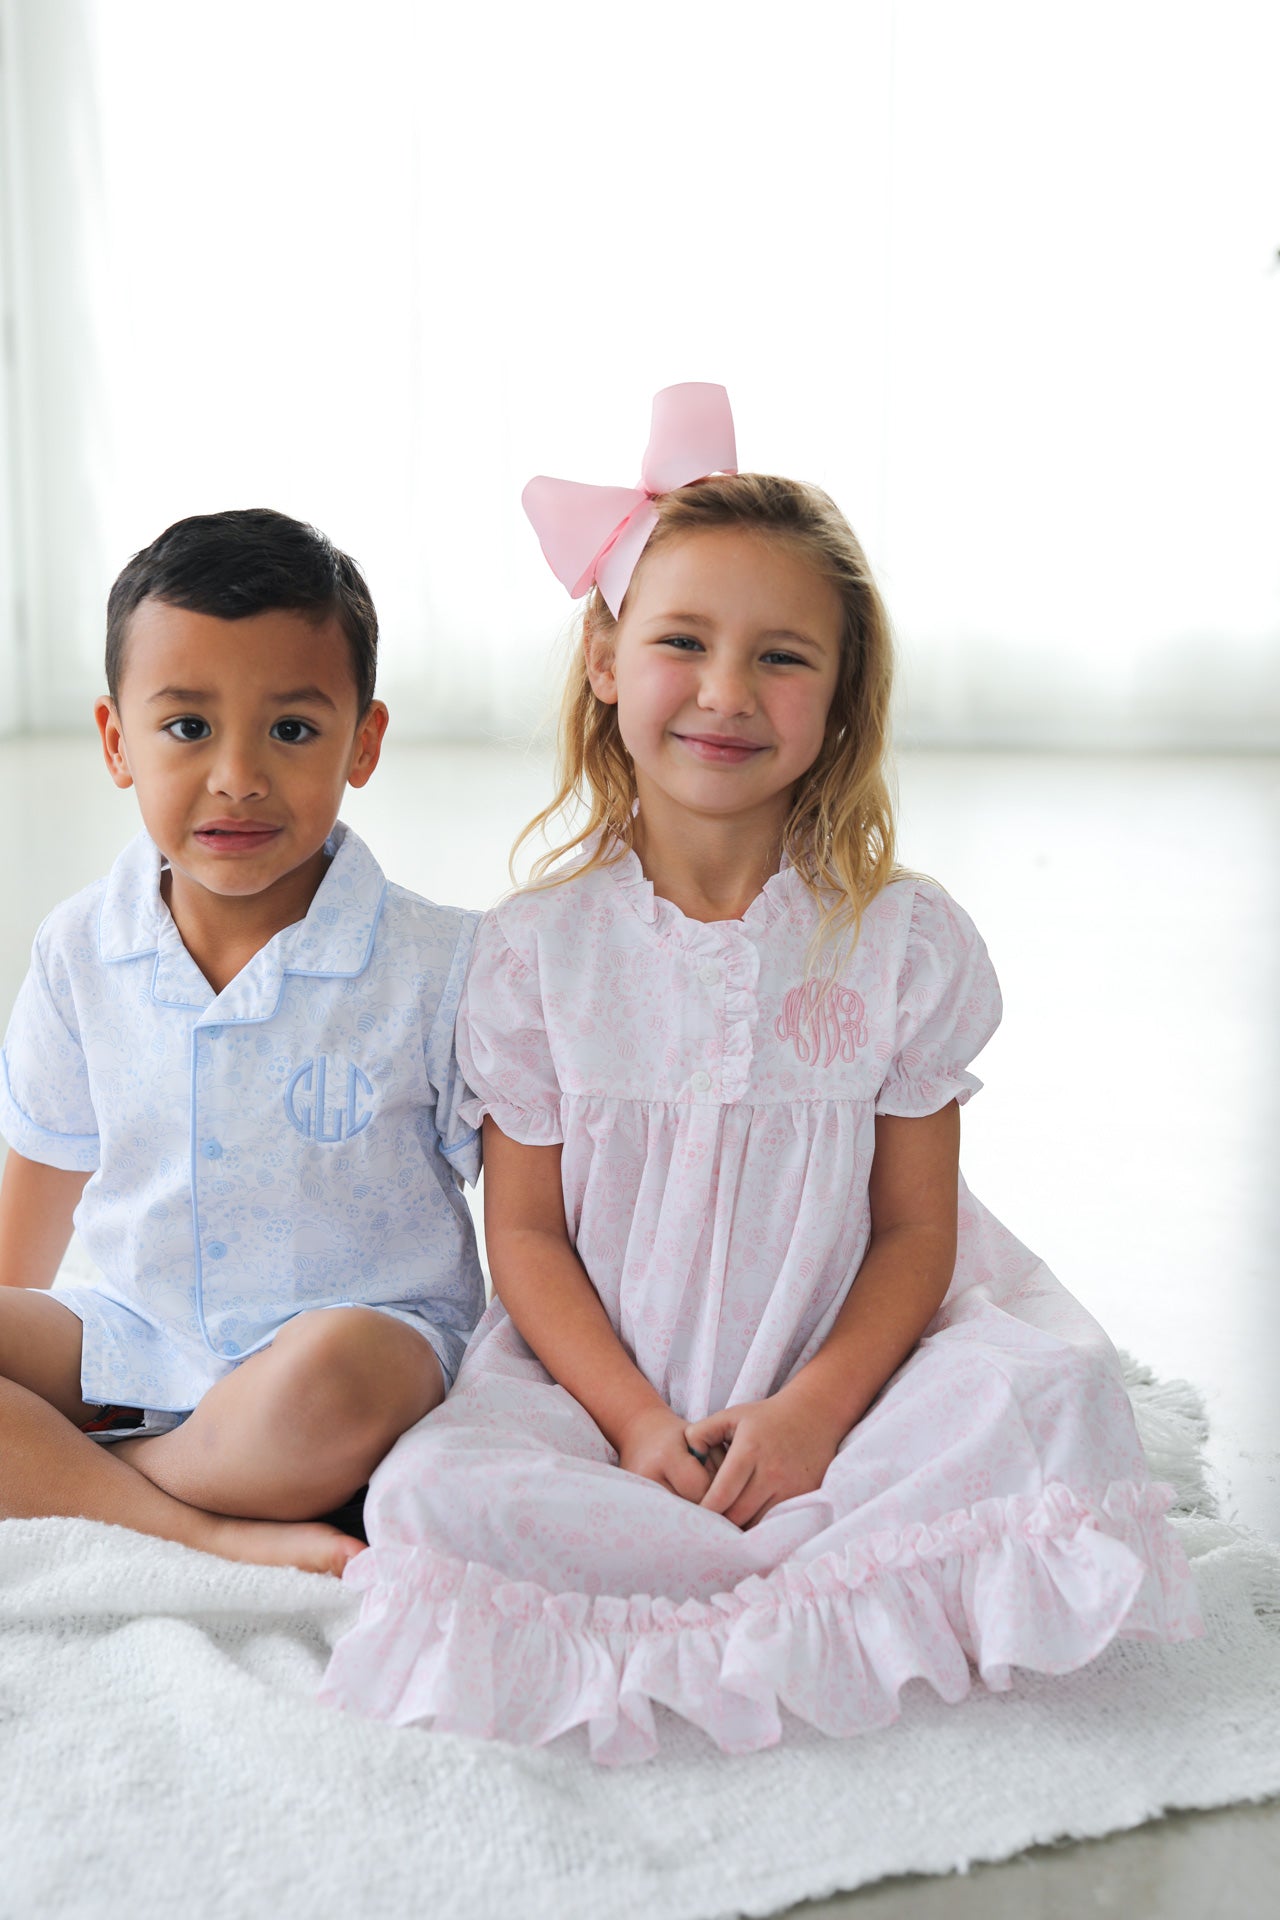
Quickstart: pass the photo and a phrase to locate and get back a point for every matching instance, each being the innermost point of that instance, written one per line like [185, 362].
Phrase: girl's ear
[598, 655]
[113, 748]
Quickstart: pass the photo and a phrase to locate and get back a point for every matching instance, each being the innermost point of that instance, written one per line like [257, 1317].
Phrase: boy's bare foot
[307, 1544]
[49, 1468]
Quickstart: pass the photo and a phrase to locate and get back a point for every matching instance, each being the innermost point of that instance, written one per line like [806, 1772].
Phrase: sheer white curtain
[1000, 277]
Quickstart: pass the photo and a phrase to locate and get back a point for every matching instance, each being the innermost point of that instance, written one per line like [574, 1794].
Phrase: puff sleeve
[503, 1047]
[458, 1137]
[46, 1108]
[948, 1008]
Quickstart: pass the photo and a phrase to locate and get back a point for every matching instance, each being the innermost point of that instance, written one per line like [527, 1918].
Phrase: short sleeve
[458, 1136]
[46, 1110]
[948, 1008]
[502, 1044]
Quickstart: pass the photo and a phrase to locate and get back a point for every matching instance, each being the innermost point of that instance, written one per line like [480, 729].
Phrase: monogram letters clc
[306, 1104]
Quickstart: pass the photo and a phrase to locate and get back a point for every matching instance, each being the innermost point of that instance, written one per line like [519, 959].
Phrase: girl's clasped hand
[740, 1462]
[764, 1452]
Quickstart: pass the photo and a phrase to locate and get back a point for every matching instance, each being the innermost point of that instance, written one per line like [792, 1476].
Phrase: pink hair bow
[597, 534]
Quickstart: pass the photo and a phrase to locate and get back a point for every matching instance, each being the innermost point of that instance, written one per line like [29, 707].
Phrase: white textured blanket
[161, 1753]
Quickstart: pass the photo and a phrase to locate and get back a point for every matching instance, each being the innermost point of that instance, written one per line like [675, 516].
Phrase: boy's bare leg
[49, 1468]
[298, 1427]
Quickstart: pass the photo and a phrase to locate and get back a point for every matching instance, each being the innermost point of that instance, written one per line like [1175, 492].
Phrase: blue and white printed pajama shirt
[292, 1142]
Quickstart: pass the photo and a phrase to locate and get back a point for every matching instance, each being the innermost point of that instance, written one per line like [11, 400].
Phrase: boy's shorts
[129, 1423]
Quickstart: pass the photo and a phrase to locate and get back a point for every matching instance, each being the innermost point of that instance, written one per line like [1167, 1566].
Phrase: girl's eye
[682, 642]
[292, 732]
[780, 659]
[189, 727]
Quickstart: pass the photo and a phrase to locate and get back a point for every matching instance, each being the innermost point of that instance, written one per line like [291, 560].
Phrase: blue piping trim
[449, 1152]
[50, 1133]
[110, 959]
[195, 1205]
[219, 1019]
[192, 1005]
[286, 973]
[222, 1020]
[139, 953]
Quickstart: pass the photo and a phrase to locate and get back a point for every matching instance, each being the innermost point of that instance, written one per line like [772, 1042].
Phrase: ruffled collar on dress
[776, 898]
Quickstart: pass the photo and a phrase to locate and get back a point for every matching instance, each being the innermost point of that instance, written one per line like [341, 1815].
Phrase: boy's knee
[355, 1375]
[40, 1348]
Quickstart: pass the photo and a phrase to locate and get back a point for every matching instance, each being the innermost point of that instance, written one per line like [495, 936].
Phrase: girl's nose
[727, 687]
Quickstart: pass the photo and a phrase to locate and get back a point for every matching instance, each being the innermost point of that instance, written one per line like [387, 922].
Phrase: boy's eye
[292, 732]
[189, 727]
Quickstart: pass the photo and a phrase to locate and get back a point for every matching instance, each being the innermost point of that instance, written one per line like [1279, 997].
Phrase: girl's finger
[687, 1477]
[716, 1430]
[760, 1512]
[729, 1483]
[749, 1505]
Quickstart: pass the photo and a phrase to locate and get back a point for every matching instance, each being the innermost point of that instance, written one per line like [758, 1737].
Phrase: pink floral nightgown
[992, 1509]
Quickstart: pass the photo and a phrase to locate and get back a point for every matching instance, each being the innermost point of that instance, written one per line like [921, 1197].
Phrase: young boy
[232, 1063]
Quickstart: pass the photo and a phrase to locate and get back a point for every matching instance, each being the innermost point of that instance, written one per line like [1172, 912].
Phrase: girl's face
[722, 667]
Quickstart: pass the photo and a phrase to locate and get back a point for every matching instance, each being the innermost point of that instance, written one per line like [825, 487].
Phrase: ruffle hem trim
[1042, 1582]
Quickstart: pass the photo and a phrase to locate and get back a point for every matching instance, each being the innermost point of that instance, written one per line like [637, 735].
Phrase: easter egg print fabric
[295, 1141]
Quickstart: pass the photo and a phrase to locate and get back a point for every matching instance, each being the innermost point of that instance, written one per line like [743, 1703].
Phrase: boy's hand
[773, 1450]
[652, 1444]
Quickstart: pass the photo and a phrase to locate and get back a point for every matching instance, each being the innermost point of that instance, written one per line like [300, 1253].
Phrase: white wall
[1001, 277]
[13, 702]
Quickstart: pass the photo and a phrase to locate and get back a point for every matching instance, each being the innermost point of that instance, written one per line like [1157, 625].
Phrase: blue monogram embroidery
[305, 1104]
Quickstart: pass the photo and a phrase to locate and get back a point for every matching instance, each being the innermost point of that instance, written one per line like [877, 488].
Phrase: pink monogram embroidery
[825, 1025]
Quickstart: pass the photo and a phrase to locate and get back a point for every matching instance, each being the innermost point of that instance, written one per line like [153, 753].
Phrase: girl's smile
[722, 666]
[719, 749]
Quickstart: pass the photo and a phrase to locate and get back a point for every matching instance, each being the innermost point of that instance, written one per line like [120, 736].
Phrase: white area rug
[160, 1753]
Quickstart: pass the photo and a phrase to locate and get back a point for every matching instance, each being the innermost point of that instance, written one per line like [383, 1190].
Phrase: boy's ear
[368, 743]
[113, 749]
[600, 673]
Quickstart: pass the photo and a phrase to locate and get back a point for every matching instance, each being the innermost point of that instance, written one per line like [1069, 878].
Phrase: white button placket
[737, 974]
[734, 970]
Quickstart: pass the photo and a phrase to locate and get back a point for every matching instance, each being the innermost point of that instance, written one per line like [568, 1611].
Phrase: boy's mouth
[234, 836]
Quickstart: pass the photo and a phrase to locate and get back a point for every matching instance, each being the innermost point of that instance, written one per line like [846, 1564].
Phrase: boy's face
[240, 737]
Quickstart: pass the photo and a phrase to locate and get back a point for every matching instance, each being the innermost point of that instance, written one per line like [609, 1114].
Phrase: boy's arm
[36, 1205]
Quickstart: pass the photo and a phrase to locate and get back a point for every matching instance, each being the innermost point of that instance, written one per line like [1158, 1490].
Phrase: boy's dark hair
[246, 561]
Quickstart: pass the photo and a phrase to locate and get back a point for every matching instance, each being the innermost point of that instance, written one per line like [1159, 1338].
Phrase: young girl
[768, 1412]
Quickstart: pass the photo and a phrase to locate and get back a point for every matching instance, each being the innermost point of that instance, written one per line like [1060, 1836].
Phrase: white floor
[1128, 1130]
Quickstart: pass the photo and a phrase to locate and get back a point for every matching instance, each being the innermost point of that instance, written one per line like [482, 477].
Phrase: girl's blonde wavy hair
[839, 834]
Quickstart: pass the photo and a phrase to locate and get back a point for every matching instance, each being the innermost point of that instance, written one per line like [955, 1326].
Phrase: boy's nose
[237, 775]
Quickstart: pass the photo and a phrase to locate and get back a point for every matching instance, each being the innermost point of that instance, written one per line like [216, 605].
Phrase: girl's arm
[36, 1205]
[556, 1310]
[783, 1446]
